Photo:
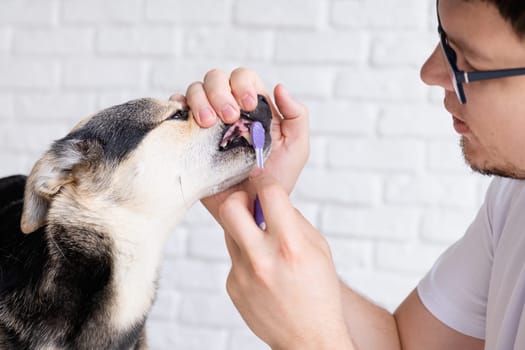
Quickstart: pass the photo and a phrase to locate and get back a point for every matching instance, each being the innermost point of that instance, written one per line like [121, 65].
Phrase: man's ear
[50, 173]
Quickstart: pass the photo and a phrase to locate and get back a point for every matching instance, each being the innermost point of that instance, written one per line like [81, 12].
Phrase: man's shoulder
[504, 189]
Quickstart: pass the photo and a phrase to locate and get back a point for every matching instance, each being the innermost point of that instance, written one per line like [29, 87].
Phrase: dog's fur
[98, 206]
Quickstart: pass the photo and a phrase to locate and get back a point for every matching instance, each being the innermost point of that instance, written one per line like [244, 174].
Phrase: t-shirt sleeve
[455, 290]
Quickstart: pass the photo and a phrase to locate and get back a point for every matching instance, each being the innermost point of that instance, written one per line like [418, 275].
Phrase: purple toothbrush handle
[258, 214]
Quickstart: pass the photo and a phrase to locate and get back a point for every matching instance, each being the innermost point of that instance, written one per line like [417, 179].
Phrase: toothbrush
[257, 133]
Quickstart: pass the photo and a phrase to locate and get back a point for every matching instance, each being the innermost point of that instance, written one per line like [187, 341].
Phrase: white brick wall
[385, 182]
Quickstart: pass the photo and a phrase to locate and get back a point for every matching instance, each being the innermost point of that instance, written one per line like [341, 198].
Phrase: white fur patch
[136, 268]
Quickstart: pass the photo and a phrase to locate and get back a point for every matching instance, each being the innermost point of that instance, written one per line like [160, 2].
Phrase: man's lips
[460, 126]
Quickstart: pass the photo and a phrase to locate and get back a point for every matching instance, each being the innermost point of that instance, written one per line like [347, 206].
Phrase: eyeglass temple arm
[467, 77]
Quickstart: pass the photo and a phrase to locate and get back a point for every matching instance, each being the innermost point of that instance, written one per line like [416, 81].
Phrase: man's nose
[435, 70]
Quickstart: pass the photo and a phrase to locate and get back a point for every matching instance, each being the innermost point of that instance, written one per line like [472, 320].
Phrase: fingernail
[248, 102]
[206, 116]
[228, 113]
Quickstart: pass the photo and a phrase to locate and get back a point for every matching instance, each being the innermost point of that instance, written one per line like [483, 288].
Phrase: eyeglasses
[460, 77]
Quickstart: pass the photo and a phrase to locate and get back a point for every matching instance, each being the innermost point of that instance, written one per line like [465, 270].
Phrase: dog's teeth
[248, 137]
[240, 129]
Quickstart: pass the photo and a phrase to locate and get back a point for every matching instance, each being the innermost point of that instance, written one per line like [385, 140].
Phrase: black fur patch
[54, 283]
[118, 129]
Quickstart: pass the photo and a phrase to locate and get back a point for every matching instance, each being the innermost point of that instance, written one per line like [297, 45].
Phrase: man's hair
[512, 11]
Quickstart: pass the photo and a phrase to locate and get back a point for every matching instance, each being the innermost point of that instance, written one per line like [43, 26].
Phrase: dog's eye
[180, 114]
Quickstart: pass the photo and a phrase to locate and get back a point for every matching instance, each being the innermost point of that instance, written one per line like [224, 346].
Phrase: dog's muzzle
[238, 134]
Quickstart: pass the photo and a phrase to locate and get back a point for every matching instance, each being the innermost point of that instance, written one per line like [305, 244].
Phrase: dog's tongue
[240, 128]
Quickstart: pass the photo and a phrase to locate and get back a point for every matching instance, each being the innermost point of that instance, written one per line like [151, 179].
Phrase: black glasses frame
[460, 77]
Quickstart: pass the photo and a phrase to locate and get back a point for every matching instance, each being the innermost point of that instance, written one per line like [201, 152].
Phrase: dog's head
[146, 155]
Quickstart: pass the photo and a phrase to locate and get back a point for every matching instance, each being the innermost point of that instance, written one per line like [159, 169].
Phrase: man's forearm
[370, 326]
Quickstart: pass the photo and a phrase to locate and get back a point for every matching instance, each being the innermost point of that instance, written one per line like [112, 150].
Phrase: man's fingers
[233, 248]
[179, 98]
[236, 218]
[224, 95]
[292, 110]
[198, 102]
[289, 107]
[246, 85]
[276, 206]
[218, 90]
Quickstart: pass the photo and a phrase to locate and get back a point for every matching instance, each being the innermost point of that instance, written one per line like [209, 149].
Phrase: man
[283, 280]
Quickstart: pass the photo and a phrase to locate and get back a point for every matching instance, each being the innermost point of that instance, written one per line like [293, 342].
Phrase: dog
[81, 237]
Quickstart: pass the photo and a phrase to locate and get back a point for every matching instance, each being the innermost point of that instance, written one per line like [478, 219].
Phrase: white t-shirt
[477, 286]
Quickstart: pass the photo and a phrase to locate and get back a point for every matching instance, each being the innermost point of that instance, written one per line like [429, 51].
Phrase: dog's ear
[55, 169]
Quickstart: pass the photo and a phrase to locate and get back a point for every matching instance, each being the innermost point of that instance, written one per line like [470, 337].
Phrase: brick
[411, 257]
[342, 117]
[416, 120]
[387, 289]
[199, 216]
[14, 163]
[336, 186]
[320, 47]
[177, 75]
[166, 305]
[5, 39]
[143, 40]
[176, 245]
[242, 340]
[45, 106]
[209, 12]
[22, 73]
[400, 85]
[171, 335]
[60, 41]
[369, 154]
[207, 243]
[390, 223]
[100, 11]
[160, 334]
[28, 12]
[114, 97]
[410, 14]
[209, 310]
[318, 151]
[351, 253]
[103, 73]
[279, 13]
[302, 80]
[309, 209]
[6, 107]
[436, 94]
[445, 191]
[402, 48]
[240, 44]
[446, 157]
[35, 137]
[195, 275]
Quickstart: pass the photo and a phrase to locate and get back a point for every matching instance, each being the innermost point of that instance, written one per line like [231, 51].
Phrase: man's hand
[283, 280]
[223, 96]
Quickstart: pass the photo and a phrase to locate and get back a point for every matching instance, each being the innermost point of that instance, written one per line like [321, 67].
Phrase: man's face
[492, 122]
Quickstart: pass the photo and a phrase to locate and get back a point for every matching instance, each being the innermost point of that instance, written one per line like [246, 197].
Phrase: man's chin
[483, 166]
